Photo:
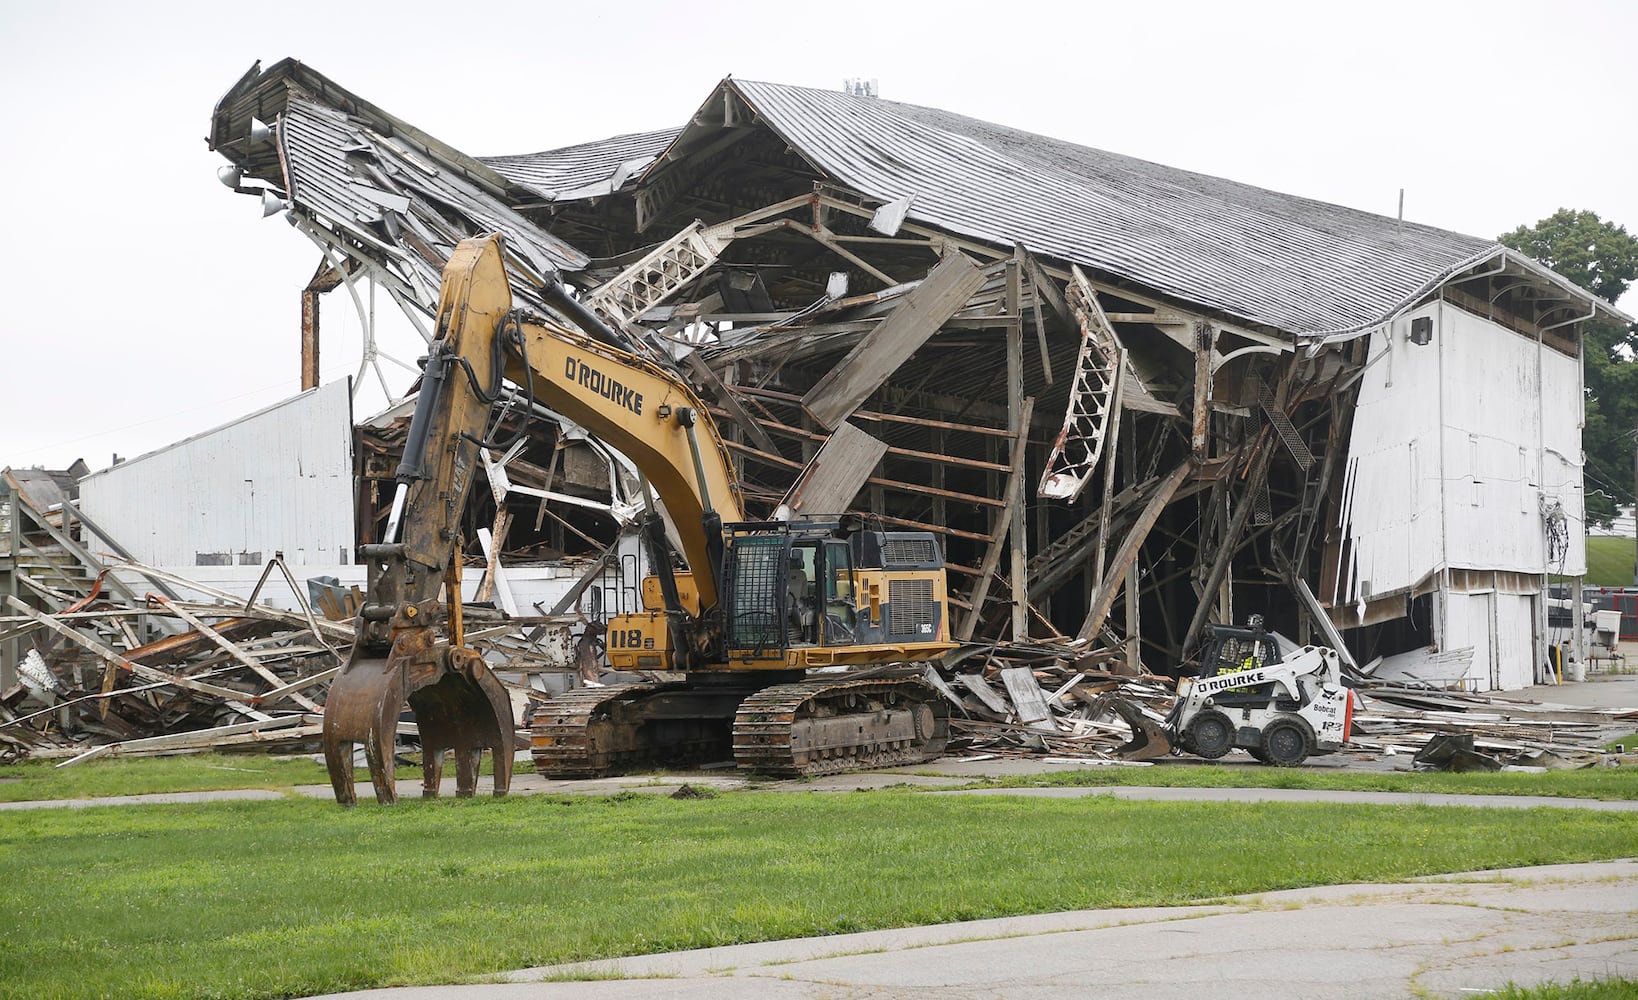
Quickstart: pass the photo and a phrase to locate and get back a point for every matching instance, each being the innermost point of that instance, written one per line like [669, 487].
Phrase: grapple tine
[338, 759]
[462, 707]
[383, 769]
[459, 706]
[362, 707]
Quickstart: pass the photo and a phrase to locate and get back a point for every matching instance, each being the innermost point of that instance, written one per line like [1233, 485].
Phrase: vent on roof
[861, 87]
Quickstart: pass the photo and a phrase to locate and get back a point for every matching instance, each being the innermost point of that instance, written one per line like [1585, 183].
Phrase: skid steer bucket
[1149, 738]
[459, 706]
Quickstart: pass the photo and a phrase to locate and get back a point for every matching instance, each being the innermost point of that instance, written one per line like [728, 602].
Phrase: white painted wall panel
[1560, 475]
[1501, 629]
[1470, 621]
[1456, 447]
[1494, 405]
[277, 480]
[1395, 447]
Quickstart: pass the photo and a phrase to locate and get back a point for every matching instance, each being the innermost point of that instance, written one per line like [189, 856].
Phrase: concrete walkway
[1314, 795]
[1444, 937]
[1614, 691]
[159, 798]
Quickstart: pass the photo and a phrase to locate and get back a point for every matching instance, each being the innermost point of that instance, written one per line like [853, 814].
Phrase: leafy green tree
[1597, 255]
[1602, 258]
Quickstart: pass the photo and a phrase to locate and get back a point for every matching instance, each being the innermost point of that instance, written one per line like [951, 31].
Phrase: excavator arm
[409, 646]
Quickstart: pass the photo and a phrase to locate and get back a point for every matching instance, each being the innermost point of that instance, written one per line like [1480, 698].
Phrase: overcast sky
[145, 302]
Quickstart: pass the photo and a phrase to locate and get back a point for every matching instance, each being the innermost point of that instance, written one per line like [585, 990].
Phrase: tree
[1602, 258]
[1597, 255]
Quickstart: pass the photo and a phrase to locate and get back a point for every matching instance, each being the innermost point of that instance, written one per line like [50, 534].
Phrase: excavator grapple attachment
[458, 702]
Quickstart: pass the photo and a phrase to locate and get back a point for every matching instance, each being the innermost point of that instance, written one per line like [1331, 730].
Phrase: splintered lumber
[296, 685]
[207, 739]
[176, 648]
[239, 654]
[986, 694]
[875, 358]
[1063, 689]
[231, 697]
[937, 682]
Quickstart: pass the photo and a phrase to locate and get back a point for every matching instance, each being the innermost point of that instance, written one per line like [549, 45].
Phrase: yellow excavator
[760, 604]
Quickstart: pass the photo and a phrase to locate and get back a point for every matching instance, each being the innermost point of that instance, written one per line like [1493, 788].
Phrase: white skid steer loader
[1281, 709]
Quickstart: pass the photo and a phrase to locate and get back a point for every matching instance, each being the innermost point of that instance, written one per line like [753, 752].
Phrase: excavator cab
[818, 593]
[810, 610]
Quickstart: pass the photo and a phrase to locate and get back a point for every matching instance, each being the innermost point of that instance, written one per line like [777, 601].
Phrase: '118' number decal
[626, 638]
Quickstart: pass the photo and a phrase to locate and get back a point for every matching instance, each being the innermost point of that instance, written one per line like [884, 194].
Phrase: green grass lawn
[1587, 783]
[298, 896]
[32, 781]
[1610, 561]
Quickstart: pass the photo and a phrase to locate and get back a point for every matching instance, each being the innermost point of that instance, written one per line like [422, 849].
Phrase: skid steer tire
[1210, 735]
[1286, 742]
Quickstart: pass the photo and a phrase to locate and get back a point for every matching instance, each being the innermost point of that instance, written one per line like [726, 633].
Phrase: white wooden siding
[1455, 445]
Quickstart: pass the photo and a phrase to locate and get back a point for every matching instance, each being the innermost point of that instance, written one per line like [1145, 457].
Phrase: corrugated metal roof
[1295, 264]
[586, 170]
[374, 186]
[386, 196]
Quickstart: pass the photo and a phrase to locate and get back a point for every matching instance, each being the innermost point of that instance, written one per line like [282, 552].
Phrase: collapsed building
[1131, 400]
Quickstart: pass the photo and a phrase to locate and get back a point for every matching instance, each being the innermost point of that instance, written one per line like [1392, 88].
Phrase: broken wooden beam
[834, 476]
[874, 359]
[233, 699]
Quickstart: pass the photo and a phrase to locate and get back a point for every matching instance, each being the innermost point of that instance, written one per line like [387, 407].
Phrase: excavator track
[805, 728]
[828, 726]
[597, 731]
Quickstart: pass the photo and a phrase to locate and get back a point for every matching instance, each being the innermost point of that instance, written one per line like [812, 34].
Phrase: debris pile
[1404, 720]
[1028, 700]
[1040, 700]
[167, 675]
